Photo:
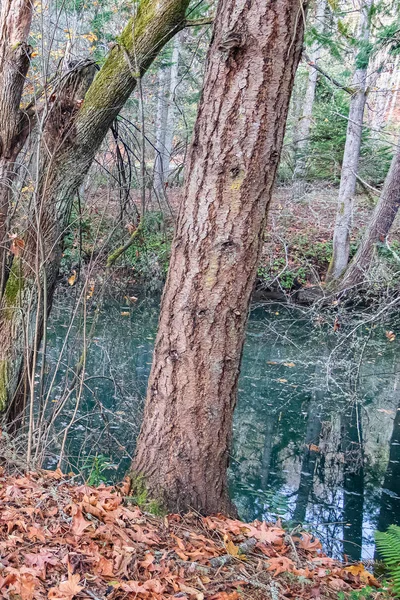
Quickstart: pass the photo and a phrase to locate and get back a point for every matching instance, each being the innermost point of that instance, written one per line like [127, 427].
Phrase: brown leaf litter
[62, 541]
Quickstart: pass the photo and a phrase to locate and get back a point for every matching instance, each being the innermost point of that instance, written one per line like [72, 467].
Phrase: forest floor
[298, 239]
[297, 243]
[60, 540]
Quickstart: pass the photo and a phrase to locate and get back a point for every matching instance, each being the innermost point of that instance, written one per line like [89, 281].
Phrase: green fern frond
[388, 546]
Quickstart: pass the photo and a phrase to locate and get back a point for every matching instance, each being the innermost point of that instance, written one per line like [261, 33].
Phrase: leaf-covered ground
[62, 541]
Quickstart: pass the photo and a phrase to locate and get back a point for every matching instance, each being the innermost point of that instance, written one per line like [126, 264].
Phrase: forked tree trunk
[15, 22]
[378, 228]
[183, 448]
[304, 127]
[351, 157]
[77, 139]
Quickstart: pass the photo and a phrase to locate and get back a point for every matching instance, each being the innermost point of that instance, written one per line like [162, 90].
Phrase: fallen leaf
[17, 245]
[266, 534]
[307, 542]
[231, 548]
[72, 278]
[67, 589]
[193, 593]
[79, 523]
[360, 571]
[280, 564]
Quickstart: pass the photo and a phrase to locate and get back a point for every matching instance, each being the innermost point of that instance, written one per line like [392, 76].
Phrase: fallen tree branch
[112, 258]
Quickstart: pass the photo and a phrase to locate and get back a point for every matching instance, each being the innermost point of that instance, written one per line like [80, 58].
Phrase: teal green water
[316, 429]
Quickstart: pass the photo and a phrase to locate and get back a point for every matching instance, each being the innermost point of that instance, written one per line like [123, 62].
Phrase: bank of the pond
[62, 541]
[295, 256]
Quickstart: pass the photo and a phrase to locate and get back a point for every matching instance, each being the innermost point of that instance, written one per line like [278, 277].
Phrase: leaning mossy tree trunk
[84, 123]
[183, 448]
[15, 52]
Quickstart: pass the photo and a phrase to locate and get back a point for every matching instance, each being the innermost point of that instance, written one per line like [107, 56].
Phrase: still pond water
[317, 426]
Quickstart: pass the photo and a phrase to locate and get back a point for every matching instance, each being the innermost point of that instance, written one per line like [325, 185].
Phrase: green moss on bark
[3, 385]
[135, 49]
[14, 284]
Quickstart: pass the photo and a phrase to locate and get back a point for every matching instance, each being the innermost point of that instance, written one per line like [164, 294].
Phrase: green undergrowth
[149, 255]
[304, 261]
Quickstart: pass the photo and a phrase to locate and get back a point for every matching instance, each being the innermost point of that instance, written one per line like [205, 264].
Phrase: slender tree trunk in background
[351, 157]
[168, 80]
[395, 91]
[15, 22]
[378, 228]
[182, 451]
[174, 80]
[385, 83]
[32, 275]
[304, 127]
[164, 75]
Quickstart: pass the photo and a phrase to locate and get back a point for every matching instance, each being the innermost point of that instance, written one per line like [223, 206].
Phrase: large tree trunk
[378, 228]
[304, 127]
[183, 448]
[351, 157]
[83, 127]
[15, 22]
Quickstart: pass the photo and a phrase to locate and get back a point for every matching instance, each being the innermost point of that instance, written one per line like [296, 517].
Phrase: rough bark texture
[183, 447]
[66, 160]
[304, 127]
[351, 157]
[15, 21]
[378, 228]
[33, 276]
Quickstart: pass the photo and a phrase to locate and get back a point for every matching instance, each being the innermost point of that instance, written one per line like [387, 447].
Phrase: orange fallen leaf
[72, 278]
[280, 564]
[67, 589]
[360, 571]
[266, 534]
[79, 523]
[307, 542]
[193, 593]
